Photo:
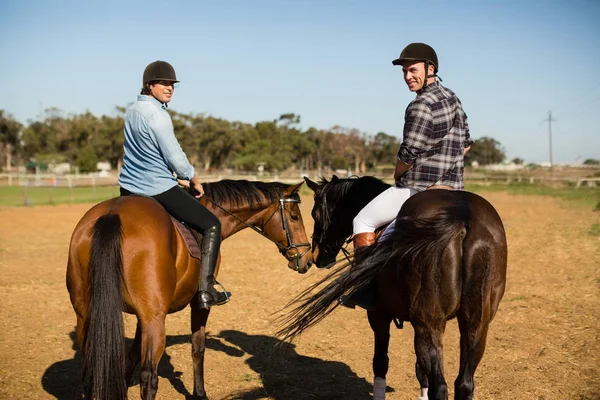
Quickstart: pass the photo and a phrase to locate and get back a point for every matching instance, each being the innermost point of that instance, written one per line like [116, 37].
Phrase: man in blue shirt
[152, 154]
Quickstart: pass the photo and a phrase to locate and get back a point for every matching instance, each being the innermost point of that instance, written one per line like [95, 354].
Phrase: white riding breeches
[382, 209]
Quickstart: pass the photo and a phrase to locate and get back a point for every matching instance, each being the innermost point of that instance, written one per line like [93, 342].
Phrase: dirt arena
[543, 344]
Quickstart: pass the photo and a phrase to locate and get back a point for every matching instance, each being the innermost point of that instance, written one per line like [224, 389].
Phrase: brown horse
[445, 257]
[127, 255]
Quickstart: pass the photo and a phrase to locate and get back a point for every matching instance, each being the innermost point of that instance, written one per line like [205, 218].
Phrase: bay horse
[127, 255]
[446, 257]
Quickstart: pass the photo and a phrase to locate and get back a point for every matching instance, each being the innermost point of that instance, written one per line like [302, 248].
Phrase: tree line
[210, 143]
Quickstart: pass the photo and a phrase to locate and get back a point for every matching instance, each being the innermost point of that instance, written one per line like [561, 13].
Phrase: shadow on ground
[284, 373]
[288, 375]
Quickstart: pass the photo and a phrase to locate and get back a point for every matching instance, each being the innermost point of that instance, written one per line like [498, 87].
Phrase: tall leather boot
[208, 296]
[364, 297]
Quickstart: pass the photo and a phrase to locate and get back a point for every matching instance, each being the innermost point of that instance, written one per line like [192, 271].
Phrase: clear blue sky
[329, 61]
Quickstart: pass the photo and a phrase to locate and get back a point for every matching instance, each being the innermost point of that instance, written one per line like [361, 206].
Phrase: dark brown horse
[445, 258]
[127, 255]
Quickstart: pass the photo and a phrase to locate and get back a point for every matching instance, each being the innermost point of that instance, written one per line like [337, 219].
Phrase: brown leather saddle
[191, 238]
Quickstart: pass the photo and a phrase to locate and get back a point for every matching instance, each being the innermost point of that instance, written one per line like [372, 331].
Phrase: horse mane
[338, 188]
[242, 192]
[335, 193]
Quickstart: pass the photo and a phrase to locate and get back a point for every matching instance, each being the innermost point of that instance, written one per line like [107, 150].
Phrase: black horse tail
[414, 243]
[103, 344]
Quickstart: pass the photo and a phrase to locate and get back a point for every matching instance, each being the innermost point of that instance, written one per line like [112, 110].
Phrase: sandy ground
[543, 344]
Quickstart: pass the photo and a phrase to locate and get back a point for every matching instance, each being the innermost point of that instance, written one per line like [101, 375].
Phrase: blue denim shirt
[152, 152]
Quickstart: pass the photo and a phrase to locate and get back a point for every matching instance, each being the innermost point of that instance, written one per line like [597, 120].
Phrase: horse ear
[295, 188]
[334, 178]
[314, 186]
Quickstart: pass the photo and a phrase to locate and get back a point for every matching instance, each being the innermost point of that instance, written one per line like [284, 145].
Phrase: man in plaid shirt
[436, 138]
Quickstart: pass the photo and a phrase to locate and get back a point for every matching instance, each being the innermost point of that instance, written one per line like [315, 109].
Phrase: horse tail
[103, 345]
[414, 243]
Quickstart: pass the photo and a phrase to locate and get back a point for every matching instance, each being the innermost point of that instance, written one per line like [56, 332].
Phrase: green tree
[485, 151]
[109, 142]
[383, 149]
[10, 129]
[87, 159]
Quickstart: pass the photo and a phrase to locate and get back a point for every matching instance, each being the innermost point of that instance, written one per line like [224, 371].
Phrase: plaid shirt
[436, 133]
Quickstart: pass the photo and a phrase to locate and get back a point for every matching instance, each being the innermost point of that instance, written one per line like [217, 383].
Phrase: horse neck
[360, 193]
[255, 216]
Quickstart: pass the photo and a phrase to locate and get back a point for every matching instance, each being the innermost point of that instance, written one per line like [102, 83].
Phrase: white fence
[94, 180]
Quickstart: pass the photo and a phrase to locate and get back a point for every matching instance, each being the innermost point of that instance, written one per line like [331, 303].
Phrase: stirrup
[215, 295]
[344, 301]
[358, 299]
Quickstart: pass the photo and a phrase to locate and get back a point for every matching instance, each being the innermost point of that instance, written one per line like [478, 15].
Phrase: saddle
[191, 238]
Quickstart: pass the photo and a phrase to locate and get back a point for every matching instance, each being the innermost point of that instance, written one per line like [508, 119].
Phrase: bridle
[339, 244]
[290, 244]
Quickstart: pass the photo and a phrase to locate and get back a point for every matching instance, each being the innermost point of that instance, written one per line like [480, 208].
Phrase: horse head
[337, 202]
[286, 228]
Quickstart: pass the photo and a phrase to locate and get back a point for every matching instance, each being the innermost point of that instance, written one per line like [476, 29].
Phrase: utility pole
[550, 120]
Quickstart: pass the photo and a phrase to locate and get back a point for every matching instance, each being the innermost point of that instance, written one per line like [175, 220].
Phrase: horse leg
[79, 332]
[472, 346]
[199, 318]
[430, 361]
[135, 354]
[153, 346]
[380, 324]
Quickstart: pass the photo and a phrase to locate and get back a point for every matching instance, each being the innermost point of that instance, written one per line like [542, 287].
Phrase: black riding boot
[208, 296]
[364, 297]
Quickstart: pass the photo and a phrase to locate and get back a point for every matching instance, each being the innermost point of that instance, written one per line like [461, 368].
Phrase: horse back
[155, 258]
[463, 262]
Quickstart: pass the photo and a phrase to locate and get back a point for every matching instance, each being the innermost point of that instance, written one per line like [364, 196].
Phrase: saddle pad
[190, 237]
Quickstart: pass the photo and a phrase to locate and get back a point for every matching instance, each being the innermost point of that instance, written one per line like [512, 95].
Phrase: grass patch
[594, 230]
[36, 196]
[583, 196]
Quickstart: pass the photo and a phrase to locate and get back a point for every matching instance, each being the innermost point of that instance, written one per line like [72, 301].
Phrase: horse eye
[294, 217]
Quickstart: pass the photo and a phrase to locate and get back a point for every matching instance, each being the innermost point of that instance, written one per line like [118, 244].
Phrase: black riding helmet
[159, 71]
[419, 52]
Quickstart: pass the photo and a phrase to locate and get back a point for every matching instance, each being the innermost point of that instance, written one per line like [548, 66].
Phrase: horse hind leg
[153, 347]
[482, 294]
[430, 361]
[134, 356]
[473, 337]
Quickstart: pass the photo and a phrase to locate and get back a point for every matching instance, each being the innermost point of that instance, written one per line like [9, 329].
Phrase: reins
[282, 249]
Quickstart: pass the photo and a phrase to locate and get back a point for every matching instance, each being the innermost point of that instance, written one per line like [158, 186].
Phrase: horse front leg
[380, 324]
[199, 318]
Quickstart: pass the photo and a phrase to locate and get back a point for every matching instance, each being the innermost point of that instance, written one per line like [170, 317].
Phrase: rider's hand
[183, 182]
[197, 187]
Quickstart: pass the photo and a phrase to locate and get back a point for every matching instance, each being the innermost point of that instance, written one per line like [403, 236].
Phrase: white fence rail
[94, 180]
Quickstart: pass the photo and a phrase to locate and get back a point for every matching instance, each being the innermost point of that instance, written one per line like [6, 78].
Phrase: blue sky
[510, 62]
